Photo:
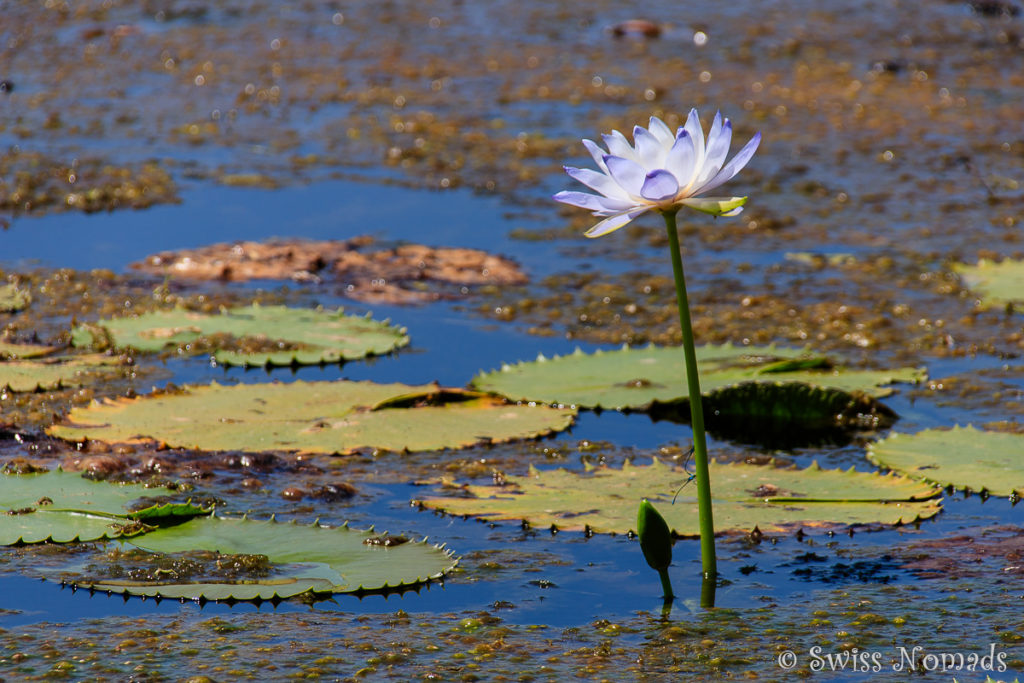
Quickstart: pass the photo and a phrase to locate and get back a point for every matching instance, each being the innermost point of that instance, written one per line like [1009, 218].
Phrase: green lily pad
[999, 284]
[55, 372]
[745, 497]
[644, 378]
[962, 457]
[13, 298]
[251, 335]
[61, 507]
[14, 351]
[316, 417]
[50, 526]
[302, 559]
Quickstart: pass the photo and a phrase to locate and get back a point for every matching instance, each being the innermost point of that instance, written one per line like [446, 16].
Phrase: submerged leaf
[316, 417]
[973, 552]
[745, 496]
[962, 457]
[252, 335]
[302, 559]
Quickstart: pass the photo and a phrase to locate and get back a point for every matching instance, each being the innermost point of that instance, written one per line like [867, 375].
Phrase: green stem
[706, 521]
[666, 585]
[707, 592]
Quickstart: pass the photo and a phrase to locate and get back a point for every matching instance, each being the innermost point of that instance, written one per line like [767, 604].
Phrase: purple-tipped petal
[680, 159]
[628, 174]
[661, 131]
[618, 145]
[597, 153]
[594, 202]
[650, 154]
[735, 166]
[719, 140]
[659, 186]
[613, 223]
[597, 181]
[696, 132]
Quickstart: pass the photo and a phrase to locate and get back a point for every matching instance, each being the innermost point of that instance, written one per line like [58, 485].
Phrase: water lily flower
[660, 171]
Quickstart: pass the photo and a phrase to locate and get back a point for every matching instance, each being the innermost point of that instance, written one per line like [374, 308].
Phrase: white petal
[613, 223]
[693, 127]
[597, 181]
[649, 151]
[719, 140]
[680, 159]
[597, 152]
[735, 166]
[662, 132]
[628, 174]
[619, 146]
[716, 206]
[659, 186]
[598, 204]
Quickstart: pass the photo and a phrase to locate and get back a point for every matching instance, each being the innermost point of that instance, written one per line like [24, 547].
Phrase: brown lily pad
[404, 274]
[240, 261]
[410, 273]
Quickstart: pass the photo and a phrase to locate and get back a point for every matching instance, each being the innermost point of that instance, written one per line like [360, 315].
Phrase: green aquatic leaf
[317, 417]
[251, 335]
[61, 526]
[998, 283]
[62, 506]
[302, 559]
[14, 351]
[745, 496]
[644, 378]
[962, 457]
[13, 298]
[787, 412]
[56, 372]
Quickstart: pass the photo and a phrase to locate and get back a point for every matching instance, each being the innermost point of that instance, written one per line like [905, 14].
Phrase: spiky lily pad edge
[59, 428]
[116, 531]
[1014, 495]
[316, 588]
[309, 358]
[130, 525]
[659, 405]
[86, 334]
[798, 529]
